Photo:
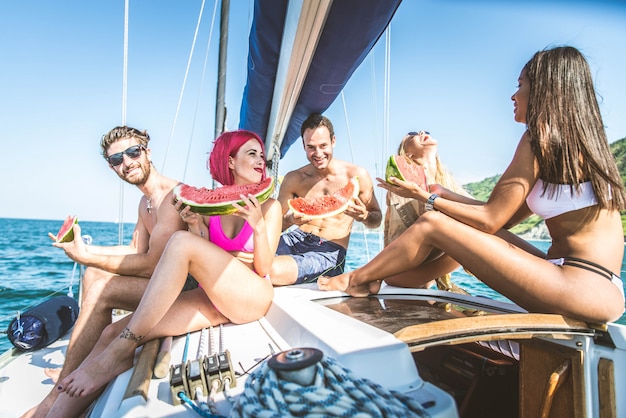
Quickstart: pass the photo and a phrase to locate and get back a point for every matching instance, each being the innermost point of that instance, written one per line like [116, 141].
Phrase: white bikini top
[562, 201]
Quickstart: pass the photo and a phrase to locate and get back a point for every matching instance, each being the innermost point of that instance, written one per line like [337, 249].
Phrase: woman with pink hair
[229, 255]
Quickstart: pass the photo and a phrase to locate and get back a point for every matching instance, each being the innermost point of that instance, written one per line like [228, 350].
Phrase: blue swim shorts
[314, 255]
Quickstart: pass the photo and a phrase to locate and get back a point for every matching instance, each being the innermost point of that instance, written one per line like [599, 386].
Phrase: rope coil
[334, 392]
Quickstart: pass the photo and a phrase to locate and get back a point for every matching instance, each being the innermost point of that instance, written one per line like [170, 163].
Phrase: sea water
[31, 269]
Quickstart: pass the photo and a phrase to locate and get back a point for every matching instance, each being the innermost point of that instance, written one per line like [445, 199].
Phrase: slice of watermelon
[66, 233]
[220, 201]
[405, 169]
[328, 205]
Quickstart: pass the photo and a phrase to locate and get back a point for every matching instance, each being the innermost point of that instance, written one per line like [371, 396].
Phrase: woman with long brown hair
[563, 171]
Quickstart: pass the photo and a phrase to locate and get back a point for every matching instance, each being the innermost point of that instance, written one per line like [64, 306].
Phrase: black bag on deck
[43, 324]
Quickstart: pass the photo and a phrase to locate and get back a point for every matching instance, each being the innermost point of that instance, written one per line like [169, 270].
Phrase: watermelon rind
[325, 206]
[66, 232]
[393, 170]
[215, 200]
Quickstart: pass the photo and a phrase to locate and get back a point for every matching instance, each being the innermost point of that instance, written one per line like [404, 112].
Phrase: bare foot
[364, 289]
[91, 376]
[52, 373]
[334, 283]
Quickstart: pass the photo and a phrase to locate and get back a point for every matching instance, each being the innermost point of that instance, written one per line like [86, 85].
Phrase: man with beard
[116, 276]
[317, 247]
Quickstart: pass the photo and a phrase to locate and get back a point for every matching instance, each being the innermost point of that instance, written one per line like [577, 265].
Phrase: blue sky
[453, 68]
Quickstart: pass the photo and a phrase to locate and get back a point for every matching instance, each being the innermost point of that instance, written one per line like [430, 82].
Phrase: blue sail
[350, 30]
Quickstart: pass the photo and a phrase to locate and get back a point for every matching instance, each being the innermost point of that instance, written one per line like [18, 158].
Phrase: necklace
[148, 205]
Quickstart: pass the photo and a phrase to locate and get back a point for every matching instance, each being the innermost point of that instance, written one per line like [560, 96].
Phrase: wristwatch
[430, 201]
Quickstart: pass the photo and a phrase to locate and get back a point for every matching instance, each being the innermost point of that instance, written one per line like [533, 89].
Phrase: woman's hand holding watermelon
[402, 188]
[251, 212]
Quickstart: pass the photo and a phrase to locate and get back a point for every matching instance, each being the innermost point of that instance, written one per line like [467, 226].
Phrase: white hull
[386, 358]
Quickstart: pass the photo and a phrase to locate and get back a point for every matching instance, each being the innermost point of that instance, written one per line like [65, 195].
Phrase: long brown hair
[566, 129]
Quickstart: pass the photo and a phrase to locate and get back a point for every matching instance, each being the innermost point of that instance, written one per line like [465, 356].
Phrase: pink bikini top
[242, 242]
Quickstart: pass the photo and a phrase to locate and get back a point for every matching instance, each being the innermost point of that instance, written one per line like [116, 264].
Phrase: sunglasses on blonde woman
[133, 152]
[414, 133]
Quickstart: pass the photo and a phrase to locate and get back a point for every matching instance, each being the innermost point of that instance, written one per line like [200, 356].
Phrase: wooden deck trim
[491, 327]
[606, 388]
[139, 383]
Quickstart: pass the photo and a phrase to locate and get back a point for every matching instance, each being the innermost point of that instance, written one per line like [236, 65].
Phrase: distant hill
[534, 226]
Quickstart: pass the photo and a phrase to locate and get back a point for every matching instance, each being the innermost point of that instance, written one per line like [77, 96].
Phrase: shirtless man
[116, 276]
[318, 247]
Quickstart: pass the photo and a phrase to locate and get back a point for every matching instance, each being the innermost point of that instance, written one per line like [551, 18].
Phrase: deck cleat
[195, 378]
[178, 382]
[212, 372]
[227, 374]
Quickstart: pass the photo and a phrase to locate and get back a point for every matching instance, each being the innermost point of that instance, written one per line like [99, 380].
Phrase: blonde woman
[402, 212]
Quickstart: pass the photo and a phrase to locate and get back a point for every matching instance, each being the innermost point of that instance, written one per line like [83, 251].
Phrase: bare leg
[421, 276]
[103, 292]
[235, 290]
[424, 275]
[192, 310]
[284, 271]
[525, 278]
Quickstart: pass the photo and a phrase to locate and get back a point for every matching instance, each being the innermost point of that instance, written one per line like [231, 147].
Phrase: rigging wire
[182, 90]
[377, 158]
[386, 101]
[386, 94]
[120, 217]
[386, 107]
[345, 113]
[206, 58]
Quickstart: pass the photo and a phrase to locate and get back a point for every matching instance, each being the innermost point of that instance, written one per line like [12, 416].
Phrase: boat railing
[492, 327]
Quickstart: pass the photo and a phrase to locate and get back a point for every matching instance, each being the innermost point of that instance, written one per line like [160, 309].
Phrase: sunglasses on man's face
[133, 152]
[413, 133]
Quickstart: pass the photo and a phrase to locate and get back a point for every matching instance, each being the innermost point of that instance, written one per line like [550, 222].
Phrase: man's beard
[139, 180]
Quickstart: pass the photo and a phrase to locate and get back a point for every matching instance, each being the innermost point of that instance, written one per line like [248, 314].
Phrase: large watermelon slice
[66, 233]
[220, 201]
[405, 169]
[328, 205]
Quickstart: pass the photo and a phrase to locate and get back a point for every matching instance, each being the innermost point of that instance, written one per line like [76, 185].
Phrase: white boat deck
[360, 334]
[292, 322]
[23, 382]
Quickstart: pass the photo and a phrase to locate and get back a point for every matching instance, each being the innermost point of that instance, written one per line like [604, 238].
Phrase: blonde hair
[442, 175]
